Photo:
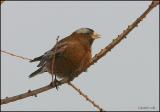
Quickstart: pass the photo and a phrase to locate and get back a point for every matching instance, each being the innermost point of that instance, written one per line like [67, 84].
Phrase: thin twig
[53, 61]
[85, 96]
[19, 57]
[94, 59]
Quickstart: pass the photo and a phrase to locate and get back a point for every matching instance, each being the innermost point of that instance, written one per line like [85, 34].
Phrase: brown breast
[74, 57]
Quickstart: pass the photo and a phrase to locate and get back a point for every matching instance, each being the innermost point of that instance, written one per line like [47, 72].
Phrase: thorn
[29, 91]
[102, 50]
[139, 19]
[57, 38]
[114, 39]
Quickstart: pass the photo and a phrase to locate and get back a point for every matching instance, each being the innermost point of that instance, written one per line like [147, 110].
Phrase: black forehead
[90, 30]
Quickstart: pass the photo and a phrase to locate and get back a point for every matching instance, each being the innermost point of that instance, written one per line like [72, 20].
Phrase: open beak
[96, 35]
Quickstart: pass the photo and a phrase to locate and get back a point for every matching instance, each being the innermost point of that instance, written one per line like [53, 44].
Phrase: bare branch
[120, 37]
[29, 93]
[85, 96]
[19, 57]
[94, 59]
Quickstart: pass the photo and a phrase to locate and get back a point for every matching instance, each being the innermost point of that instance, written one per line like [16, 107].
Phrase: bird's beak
[96, 35]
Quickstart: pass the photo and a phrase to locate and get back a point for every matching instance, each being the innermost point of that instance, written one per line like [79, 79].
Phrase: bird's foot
[56, 83]
[51, 84]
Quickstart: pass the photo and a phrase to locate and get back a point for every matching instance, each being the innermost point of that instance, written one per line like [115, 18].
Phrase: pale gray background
[125, 79]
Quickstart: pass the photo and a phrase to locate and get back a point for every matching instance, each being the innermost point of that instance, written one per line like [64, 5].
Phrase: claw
[51, 84]
[56, 82]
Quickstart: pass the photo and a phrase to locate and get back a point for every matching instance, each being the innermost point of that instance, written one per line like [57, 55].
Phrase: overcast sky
[125, 79]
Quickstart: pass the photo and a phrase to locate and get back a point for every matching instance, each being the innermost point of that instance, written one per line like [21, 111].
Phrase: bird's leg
[51, 84]
[56, 82]
[53, 61]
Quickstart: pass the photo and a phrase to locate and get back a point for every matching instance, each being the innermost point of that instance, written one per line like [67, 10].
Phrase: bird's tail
[39, 71]
[37, 59]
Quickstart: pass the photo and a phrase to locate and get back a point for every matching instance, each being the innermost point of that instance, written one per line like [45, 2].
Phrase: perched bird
[68, 55]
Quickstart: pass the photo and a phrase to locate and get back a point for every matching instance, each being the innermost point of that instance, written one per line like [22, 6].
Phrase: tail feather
[39, 71]
[37, 59]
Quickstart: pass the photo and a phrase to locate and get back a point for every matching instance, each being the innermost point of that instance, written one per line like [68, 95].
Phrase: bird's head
[87, 34]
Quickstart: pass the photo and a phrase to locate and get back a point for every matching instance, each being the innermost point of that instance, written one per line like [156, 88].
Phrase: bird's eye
[88, 33]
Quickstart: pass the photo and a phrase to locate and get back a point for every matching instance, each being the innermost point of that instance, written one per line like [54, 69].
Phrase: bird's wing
[57, 50]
